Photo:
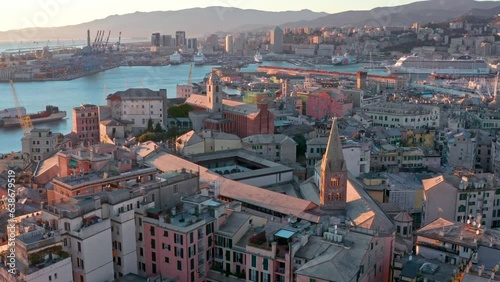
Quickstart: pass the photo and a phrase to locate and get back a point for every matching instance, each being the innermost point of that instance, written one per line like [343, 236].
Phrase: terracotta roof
[403, 216]
[240, 191]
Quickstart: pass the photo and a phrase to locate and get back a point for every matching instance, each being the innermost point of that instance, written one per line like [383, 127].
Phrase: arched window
[335, 181]
[338, 197]
[330, 196]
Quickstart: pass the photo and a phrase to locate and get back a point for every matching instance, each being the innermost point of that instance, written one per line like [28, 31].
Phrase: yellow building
[420, 137]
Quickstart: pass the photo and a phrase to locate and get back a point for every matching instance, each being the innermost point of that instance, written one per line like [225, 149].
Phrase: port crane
[118, 43]
[107, 39]
[24, 120]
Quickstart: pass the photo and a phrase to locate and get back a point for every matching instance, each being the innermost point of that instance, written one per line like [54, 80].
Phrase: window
[265, 264]
[338, 197]
[153, 244]
[119, 261]
[152, 229]
[179, 265]
[141, 252]
[191, 237]
[463, 197]
[154, 268]
[165, 233]
[79, 247]
[153, 256]
[335, 181]
[461, 208]
[167, 260]
[50, 277]
[254, 261]
[405, 230]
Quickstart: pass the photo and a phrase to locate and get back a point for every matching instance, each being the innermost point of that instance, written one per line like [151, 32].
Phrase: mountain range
[202, 21]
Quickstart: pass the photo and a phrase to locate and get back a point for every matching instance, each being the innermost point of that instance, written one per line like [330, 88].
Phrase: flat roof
[283, 233]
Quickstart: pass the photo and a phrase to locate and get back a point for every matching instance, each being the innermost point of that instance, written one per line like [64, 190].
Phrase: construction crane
[24, 120]
[190, 76]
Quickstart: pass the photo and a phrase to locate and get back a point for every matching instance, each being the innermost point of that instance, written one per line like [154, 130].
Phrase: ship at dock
[346, 59]
[51, 113]
[175, 59]
[464, 65]
[257, 58]
[199, 59]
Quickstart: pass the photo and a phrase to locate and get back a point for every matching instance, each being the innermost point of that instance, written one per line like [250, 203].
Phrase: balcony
[219, 258]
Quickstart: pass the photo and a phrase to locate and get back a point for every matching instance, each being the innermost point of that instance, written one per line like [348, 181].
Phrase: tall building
[277, 40]
[192, 43]
[39, 144]
[180, 38]
[229, 44]
[86, 123]
[333, 183]
[138, 105]
[166, 40]
[155, 39]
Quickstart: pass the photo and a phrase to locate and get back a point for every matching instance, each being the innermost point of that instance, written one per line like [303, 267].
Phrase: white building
[139, 105]
[207, 141]
[357, 155]
[394, 115]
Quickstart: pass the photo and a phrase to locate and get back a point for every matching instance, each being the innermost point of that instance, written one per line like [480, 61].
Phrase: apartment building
[39, 254]
[86, 123]
[474, 247]
[274, 147]
[139, 105]
[39, 144]
[463, 197]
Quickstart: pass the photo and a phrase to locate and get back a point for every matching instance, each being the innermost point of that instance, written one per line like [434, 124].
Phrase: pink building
[86, 123]
[179, 243]
[328, 102]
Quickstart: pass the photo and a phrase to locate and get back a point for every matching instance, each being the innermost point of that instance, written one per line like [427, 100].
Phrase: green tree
[148, 136]
[179, 111]
[301, 144]
[150, 125]
[158, 127]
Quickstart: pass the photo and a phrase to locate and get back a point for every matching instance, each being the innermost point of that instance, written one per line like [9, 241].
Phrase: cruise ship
[464, 65]
[199, 59]
[257, 58]
[175, 58]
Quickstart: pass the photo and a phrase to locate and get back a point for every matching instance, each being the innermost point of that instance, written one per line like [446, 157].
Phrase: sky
[19, 14]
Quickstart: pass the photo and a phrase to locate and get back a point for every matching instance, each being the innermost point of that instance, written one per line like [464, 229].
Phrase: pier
[397, 82]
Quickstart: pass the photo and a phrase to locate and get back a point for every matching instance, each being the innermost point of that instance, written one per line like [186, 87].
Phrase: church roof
[333, 160]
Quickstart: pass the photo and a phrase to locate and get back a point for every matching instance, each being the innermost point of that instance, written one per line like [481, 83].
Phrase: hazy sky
[41, 13]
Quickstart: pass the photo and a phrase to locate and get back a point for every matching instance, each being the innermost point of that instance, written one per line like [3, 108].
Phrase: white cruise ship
[199, 59]
[175, 58]
[257, 58]
[464, 65]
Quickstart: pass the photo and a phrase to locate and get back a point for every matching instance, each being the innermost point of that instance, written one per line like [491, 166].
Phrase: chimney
[88, 37]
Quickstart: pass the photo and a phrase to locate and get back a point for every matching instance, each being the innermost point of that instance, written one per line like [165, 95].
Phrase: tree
[148, 136]
[179, 111]
[158, 127]
[150, 125]
[301, 144]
